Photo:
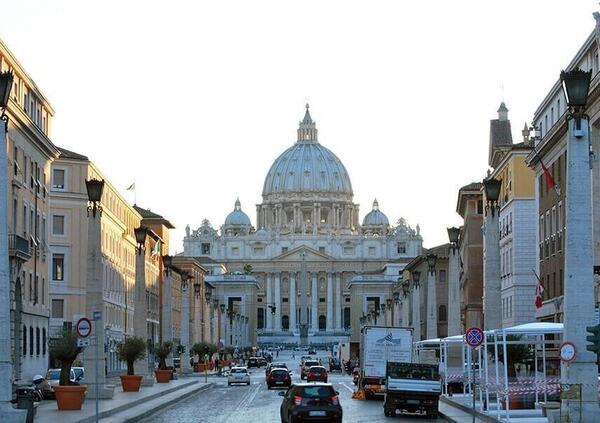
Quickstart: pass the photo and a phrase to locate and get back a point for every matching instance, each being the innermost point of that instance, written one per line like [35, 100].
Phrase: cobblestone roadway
[255, 403]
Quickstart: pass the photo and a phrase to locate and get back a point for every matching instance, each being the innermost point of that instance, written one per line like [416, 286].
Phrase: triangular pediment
[311, 255]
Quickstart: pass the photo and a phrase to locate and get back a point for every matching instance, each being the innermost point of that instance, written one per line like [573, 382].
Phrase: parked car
[316, 373]
[274, 366]
[53, 379]
[254, 362]
[307, 365]
[279, 377]
[304, 402]
[238, 375]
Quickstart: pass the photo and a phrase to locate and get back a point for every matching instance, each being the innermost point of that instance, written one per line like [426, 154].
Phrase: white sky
[194, 100]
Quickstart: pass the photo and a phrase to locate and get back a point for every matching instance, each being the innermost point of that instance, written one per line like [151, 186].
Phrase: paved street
[255, 403]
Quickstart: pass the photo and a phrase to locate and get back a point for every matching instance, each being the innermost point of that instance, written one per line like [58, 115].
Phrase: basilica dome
[376, 217]
[237, 217]
[307, 167]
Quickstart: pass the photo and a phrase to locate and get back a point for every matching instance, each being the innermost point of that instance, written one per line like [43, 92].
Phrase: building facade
[307, 255]
[30, 154]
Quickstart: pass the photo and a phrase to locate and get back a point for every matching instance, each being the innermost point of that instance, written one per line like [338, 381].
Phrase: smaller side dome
[375, 217]
[237, 217]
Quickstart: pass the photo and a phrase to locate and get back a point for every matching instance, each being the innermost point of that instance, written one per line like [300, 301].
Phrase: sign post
[97, 314]
[474, 337]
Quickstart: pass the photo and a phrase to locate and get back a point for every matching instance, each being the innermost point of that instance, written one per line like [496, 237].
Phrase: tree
[162, 351]
[131, 350]
[65, 350]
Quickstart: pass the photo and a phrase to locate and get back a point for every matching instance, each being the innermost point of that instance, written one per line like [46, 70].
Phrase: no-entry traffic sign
[474, 336]
[84, 327]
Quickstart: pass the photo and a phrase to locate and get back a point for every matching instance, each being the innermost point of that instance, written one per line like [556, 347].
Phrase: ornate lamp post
[167, 311]
[432, 318]
[492, 317]
[453, 283]
[186, 367]
[578, 302]
[222, 330]
[416, 302]
[140, 313]
[95, 357]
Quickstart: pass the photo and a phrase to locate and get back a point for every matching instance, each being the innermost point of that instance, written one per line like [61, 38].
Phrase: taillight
[297, 400]
[335, 400]
[286, 376]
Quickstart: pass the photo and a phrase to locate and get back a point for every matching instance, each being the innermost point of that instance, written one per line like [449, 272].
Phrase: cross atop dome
[307, 131]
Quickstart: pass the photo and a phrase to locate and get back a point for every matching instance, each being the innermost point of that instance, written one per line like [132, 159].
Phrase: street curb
[166, 404]
[478, 415]
[113, 411]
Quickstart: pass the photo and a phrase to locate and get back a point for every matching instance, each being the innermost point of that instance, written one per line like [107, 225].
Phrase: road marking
[347, 387]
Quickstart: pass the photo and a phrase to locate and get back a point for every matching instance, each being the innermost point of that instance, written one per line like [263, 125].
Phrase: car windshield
[280, 365]
[316, 392]
[316, 369]
[78, 372]
[405, 372]
[311, 363]
[53, 374]
[238, 370]
[279, 372]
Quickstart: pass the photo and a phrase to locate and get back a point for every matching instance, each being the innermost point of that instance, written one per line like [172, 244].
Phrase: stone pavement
[456, 413]
[125, 406]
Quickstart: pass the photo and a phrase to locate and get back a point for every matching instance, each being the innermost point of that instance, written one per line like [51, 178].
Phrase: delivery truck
[378, 345]
[412, 387]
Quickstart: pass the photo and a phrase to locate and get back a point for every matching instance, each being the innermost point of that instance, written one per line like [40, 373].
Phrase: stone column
[416, 309]
[338, 302]
[314, 296]
[95, 302]
[492, 317]
[167, 323]
[329, 302]
[185, 328]
[431, 305]
[292, 301]
[269, 316]
[579, 298]
[453, 293]
[278, 302]
[140, 315]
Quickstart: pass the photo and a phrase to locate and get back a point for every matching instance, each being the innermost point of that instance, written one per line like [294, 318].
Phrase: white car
[238, 375]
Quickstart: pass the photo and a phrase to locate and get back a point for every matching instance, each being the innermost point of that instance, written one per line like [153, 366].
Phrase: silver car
[238, 375]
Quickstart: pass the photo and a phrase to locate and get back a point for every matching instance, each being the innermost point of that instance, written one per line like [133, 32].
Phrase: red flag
[539, 290]
[549, 179]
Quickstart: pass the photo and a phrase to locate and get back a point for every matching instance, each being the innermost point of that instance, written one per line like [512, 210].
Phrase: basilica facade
[309, 269]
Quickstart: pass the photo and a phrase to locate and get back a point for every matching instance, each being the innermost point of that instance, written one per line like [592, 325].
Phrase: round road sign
[84, 327]
[474, 336]
[567, 351]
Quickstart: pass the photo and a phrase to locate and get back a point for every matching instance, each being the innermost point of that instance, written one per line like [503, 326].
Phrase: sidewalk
[458, 413]
[125, 406]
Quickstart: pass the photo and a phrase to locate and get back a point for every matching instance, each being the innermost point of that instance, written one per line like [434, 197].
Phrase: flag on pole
[549, 179]
[131, 187]
[156, 249]
[539, 290]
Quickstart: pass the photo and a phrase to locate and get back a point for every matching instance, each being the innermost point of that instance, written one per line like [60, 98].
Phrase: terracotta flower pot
[163, 376]
[131, 383]
[70, 397]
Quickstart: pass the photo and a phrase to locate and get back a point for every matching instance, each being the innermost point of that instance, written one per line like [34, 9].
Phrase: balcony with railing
[18, 247]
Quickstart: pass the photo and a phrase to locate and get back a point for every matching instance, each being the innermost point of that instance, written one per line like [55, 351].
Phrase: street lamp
[94, 191]
[405, 289]
[397, 295]
[222, 307]
[431, 261]
[167, 263]
[576, 84]
[416, 277]
[197, 288]
[6, 81]
[140, 238]
[453, 235]
[185, 276]
[491, 187]
[207, 297]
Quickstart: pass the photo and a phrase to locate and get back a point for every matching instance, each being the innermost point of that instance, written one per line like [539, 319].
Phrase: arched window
[24, 340]
[285, 322]
[37, 341]
[442, 313]
[322, 322]
[31, 340]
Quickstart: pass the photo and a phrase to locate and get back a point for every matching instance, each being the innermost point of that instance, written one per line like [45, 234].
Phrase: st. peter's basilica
[309, 267]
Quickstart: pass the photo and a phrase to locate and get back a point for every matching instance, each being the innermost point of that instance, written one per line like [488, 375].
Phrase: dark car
[279, 377]
[262, 361]
[307, 365]
[316, 373]
[310, 402]
[334, 364]
[273, 366]
[253, 362]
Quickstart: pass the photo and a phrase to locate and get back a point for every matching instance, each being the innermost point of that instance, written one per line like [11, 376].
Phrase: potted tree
[69, 395]
[131, 350]
[162, 351]
[199, 349]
